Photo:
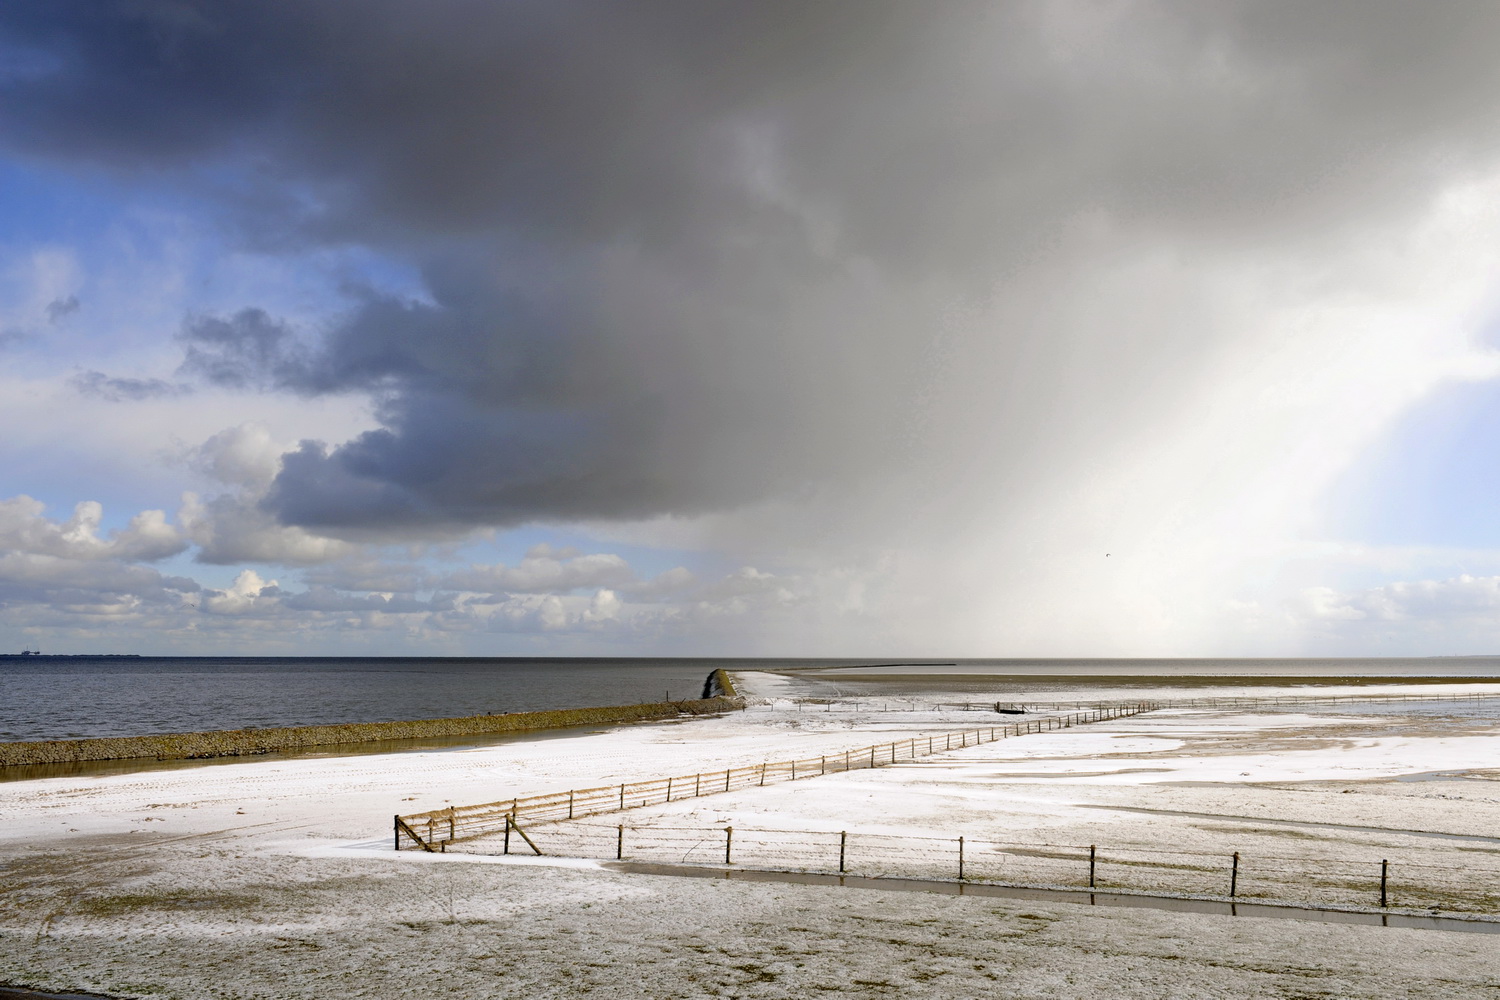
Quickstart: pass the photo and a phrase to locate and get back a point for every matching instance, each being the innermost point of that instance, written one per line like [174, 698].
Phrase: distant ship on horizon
[34, 654]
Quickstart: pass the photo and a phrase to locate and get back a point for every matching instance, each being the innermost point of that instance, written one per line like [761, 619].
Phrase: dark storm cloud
[248, 350]
[684, 256]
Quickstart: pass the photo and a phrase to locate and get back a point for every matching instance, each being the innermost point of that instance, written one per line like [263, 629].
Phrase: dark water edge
[821, 685]
[1303, 669]
[1075, 677]
[21, 993]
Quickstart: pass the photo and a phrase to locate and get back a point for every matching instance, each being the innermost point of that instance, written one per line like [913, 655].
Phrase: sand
[276, 878]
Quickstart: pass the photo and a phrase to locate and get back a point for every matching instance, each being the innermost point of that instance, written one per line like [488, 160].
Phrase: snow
[275, 878]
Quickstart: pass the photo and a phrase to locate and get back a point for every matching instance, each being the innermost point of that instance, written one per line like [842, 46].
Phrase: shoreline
[1139, 680]
[833, 686]
[419, 744]
[235, 743]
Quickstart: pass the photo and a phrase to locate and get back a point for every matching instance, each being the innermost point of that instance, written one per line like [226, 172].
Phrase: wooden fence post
[1234, 876]
[1384, 871]
[669, 789]
[570, 803]
[620, 843]
[1093, 858]
[400, 826]
[960, 859]
[843, 844]
[726, 779]
[507, 833]
[728, 843]
[511, 823]
[697, 783]
[762, 774]
[622, 796]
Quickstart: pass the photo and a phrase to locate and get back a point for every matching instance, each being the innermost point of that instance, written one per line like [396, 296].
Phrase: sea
[60, 697]
[49, 698]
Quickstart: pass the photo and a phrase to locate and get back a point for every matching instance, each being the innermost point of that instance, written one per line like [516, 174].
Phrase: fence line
[436, 829]
[1364, 880]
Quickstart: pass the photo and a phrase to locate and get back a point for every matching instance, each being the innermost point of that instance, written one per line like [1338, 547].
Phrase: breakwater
[718, 685]
[251, 742]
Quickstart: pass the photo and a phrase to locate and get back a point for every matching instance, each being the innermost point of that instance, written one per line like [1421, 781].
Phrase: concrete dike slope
[249, 742]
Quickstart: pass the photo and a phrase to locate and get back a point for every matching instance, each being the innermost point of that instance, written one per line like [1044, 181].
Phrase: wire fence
[436, 829]
[1361, 878]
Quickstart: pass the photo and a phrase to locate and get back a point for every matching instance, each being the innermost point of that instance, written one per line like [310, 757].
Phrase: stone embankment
[718, 685]
[247, 742]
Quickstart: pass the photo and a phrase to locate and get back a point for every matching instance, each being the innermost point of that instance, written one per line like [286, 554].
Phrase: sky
[826, 328]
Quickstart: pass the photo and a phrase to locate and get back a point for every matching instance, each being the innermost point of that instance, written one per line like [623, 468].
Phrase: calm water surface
[65, 698]
[61, 698]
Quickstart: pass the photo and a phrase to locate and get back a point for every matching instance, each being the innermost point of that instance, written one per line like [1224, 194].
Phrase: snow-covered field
[275, 878]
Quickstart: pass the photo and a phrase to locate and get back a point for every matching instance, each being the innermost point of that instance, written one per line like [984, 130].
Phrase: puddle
[1085, 897]
[19, 993]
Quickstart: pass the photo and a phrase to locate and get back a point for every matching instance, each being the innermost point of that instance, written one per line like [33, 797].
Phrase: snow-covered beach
[276, 878]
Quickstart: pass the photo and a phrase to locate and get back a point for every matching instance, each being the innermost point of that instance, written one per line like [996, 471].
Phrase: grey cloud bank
[686, 257]
[860, 277]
